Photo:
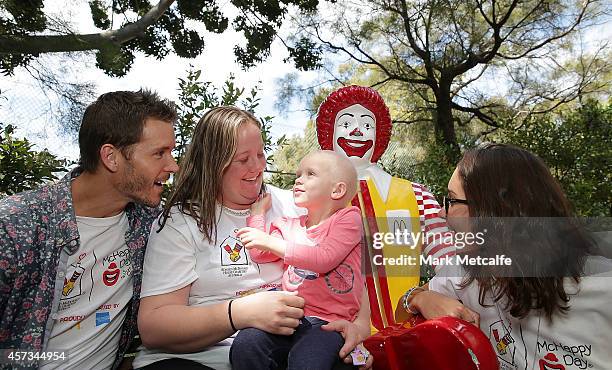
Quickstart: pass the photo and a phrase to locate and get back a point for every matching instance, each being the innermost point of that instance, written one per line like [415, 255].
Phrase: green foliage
[288, 156]
[196, 96]
[22, 167]
[305, 53]
[169, 33]
[116, 62]
[27, 16]
[98, 15]
[429, 165]
[574, 143]
[577, 146]
[180, 29]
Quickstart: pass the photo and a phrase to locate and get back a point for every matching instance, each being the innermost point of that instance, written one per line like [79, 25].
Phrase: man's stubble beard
[135, 186]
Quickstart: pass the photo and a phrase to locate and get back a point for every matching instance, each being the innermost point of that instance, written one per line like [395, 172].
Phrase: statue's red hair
[344, 98]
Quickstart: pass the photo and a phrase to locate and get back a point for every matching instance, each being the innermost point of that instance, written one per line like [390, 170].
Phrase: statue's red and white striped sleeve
[432, 225]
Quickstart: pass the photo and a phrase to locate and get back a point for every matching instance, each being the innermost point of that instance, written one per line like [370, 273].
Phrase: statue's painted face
[355, 134]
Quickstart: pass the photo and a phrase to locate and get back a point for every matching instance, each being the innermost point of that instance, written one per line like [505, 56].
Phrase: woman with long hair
[199, 284]
[531, 275]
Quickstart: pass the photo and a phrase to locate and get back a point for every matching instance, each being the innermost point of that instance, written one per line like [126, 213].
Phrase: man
[355, 122]
[71, 252]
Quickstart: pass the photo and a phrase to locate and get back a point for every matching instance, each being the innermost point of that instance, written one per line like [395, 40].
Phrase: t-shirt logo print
[503, 342]
[233, 253]
[111, 275]
[297, 276]
[341, 279]
[74, 281]
[545, 365]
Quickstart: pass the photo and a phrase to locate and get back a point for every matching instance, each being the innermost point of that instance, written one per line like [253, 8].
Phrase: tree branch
[409, 122]
[424, 55]
[28, 44]
[381, 82]
[478, 113]
[550, 39]
[370, 61]
[462, 85]
[485, 57]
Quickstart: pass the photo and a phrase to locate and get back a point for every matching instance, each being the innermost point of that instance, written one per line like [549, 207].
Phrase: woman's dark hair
[527, 217]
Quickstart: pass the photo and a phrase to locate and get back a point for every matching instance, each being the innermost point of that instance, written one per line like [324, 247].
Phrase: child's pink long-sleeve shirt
[323, 263]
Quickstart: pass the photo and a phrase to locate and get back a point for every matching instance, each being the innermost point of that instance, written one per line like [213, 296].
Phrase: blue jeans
[310, 347]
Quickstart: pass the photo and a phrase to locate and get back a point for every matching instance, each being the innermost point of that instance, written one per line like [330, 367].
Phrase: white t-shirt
[179, 255]
[581, 339]
[97, 289]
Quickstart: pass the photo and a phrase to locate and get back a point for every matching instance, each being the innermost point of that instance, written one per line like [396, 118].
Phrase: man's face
[355, 134]
[150, 164]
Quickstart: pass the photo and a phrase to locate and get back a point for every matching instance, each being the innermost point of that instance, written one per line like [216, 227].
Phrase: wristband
[406, 300]
[229, 315]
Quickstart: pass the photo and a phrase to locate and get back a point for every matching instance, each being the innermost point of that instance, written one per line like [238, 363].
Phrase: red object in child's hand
[446, 343]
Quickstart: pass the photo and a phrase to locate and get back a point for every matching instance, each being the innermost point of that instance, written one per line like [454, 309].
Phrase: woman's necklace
[237, 212]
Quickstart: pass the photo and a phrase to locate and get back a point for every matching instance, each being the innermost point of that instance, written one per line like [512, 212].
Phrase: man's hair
[344, 98]
[198, 180]
[118, 118]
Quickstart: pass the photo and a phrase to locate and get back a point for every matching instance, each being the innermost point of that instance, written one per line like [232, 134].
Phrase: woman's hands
[353, 335]
[272, 312]
[433, 305]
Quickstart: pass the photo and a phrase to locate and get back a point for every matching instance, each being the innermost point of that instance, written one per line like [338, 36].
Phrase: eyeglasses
[448, 201]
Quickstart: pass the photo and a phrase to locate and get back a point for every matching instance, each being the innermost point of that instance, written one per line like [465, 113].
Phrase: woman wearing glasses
[541, 310]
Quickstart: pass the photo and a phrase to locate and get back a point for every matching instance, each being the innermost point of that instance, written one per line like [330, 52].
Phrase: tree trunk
[444, 123]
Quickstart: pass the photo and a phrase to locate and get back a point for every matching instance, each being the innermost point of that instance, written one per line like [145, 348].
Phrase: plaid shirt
[38, 231]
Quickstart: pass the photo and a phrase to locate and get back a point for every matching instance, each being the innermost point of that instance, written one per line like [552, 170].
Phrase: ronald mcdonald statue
[397, 213]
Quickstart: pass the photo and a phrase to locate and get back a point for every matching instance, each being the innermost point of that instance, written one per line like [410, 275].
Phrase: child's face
[313, 185]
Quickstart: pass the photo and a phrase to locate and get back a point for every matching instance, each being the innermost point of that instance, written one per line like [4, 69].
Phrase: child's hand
[261, 205]
[254, 238]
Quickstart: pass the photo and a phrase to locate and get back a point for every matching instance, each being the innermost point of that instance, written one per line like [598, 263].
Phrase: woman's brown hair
[513, 196]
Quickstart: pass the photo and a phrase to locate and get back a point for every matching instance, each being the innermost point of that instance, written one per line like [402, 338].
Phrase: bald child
[321, 255]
